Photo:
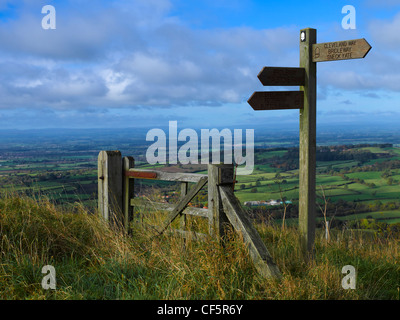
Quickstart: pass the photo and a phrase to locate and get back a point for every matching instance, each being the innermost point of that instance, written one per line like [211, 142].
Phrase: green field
[346, 180]
[392, 216]
[369, 178]
[49, 220]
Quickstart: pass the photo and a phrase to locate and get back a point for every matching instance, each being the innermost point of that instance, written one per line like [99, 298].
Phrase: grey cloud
[371, 95]
[26, 85]
[219, 65]
[84, 32]
[386, 32]
[379, 70]
[127, 54]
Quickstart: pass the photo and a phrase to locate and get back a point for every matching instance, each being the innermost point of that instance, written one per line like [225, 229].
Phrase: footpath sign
[305, 100]
[340, 50]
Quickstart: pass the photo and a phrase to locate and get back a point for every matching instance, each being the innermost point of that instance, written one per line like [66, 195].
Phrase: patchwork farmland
[358, 180]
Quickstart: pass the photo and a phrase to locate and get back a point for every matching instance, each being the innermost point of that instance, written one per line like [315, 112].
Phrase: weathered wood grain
[184, 190]
[153, 205]
[166, 176]
[128, 192]
[307, 145]
[340, 50]
[218, 174]
[110, 186]
[282, 76]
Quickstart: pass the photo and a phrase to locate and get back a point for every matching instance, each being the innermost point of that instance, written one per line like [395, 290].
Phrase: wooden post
[184, 190]
[307, 148]
[110, 186]
[128, 192]
[218, 174]
[183, 218]
[241, 223]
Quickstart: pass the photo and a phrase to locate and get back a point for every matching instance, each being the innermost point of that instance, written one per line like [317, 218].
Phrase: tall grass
[93, 261]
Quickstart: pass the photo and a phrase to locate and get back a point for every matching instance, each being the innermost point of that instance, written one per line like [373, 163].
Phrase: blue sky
[142, 63]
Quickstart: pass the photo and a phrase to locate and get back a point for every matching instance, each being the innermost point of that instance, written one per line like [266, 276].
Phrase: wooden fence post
[241, 223]
[307, 146]
[110, 186]
[218, 174]
[227, 211]
[184, 191]
[127, 192]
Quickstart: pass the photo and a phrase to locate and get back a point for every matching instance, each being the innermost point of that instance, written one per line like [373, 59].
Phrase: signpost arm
[307, 148]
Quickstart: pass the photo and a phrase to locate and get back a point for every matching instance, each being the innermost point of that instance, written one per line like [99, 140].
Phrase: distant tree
[386, 174]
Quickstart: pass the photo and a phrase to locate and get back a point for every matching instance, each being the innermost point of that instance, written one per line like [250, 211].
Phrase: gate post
[110, 186]
[127, 192]
[218, 174]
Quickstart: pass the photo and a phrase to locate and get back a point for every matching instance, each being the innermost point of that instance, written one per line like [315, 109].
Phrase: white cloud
[348, 80]
[386, 33]
[131, 54]
[135, 54]
[379, 71]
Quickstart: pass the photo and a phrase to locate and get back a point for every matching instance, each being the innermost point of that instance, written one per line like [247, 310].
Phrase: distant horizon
[277, 127]
[270, 137]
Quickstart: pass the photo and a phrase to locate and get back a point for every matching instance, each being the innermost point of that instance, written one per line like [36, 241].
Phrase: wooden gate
[116, 178]
[179, 209]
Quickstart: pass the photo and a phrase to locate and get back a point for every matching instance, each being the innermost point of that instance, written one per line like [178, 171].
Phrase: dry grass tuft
[94, 261]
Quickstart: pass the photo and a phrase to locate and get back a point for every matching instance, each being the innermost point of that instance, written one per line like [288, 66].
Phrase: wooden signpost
[305, 100]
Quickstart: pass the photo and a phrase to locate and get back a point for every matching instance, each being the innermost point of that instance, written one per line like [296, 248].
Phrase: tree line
[290, 160]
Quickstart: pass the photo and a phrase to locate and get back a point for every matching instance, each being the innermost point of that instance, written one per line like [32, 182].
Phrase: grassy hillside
[93, 261]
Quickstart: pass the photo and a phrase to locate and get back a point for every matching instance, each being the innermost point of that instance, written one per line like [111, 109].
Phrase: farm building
[265, 203]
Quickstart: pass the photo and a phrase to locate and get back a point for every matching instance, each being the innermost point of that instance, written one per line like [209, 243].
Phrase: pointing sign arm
[340, 50]
[276, 100]
[282, 76]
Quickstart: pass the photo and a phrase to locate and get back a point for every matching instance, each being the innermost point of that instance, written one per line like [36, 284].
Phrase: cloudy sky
[142, 63]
